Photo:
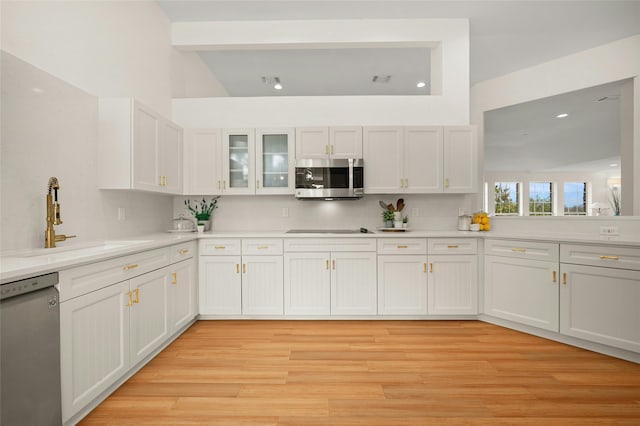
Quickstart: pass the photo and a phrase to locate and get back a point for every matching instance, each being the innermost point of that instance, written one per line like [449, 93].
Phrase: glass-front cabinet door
[275, 161]
[238, 167]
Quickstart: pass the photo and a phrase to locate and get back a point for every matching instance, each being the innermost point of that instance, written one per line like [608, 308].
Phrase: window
[540, 198]
[575, 199]
[507, 196]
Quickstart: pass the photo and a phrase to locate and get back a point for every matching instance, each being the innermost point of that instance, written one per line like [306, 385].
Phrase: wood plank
[285, 373]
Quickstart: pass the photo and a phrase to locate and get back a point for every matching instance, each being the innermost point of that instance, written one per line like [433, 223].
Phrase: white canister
[397, 223]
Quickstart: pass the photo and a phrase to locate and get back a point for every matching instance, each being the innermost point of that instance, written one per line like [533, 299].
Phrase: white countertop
[28, 263]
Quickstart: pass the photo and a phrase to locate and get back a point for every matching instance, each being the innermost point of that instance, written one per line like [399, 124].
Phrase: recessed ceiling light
[421, 84]
[277, 85]
[563, 115]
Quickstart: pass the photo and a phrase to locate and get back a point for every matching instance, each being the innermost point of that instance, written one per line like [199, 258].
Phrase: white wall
[192, 78]
[611, 62]
[50, 128]
[449, 39]
[264, 213]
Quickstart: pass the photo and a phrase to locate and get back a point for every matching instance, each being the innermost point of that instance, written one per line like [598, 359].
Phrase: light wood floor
[373, 373]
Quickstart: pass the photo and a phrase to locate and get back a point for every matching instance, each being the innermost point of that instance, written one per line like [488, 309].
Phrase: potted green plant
[202, 210]
[405, 221]
[387, 218]
[615, 200]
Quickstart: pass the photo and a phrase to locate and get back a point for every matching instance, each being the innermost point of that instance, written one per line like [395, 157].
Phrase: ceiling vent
[381, 79]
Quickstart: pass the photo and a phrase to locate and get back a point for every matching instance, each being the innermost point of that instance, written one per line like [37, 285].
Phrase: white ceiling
[505, 36]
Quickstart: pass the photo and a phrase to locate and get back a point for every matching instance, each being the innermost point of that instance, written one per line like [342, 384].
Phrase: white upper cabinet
[138, 149]
[419, 159]
[203, 162]
[275, 162]
[460, 159]
[382, 153]
[329, 142]
[238, 161]
[422, 165]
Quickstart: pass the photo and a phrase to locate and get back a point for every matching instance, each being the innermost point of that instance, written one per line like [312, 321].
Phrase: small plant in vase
[202, 210]
[387, 218]
[405, 221]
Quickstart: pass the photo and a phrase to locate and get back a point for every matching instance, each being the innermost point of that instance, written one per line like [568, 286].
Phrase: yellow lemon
[485, 220]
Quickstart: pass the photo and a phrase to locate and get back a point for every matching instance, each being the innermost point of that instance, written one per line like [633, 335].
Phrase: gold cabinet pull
[446, 183]
[129, 267]
[401, 183]
[224, 184]
[219, 186]
[237, 268]
[518, 249]
[175, 278]
[431, 267]
[137, 292]
[244, 268]
[564, 278]
[406, 183]
[183, 251]
[331, 152]
[220, 247]
[400, 246]
[326, 149]
[333, 264]
[130, 302]
[263, 247]
[609, 257]
[326, 265]
[258, 183]
[424, 267]
[554, 276]
[452, 246]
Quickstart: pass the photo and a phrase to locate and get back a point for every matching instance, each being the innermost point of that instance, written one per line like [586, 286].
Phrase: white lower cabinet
[519, 287]
[340, 280]
[94, 345]
[330, 283]
[232, 283]
[402, 284]
[149, 313]
[307, 284]
[452, 287]
[109, 326]
[597, 303]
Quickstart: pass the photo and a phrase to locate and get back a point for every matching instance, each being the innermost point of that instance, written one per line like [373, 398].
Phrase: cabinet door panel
[149, 313]
[203, 150]
[523, 291]
[220, 285]
[145, 174]
[238, 170]
[262, 285]
[453, 284]
[275, 161]
[382, 153]
[182, 294]
[402, 285]
[94, 345]
[312, 142]
[422, 159]
[353, 284]
[170, 157]
[307, 284]
[345, 142]
[601, 305]
[460, 159]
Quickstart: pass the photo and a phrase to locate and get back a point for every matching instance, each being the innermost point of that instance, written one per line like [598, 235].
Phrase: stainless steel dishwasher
[30, 352]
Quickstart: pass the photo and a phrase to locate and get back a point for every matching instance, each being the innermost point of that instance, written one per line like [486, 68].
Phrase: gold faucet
[53, 215]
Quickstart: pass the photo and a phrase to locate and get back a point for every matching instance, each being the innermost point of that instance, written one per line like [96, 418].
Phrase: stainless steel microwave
[330, 179]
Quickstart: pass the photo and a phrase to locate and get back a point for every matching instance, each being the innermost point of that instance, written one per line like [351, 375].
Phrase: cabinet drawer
[329, 244]
[262, 247]
[452, 245]
[402, 246]
[182, 251]
[609, 256]
[219, 246]
[84, 279]
[522, 249]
